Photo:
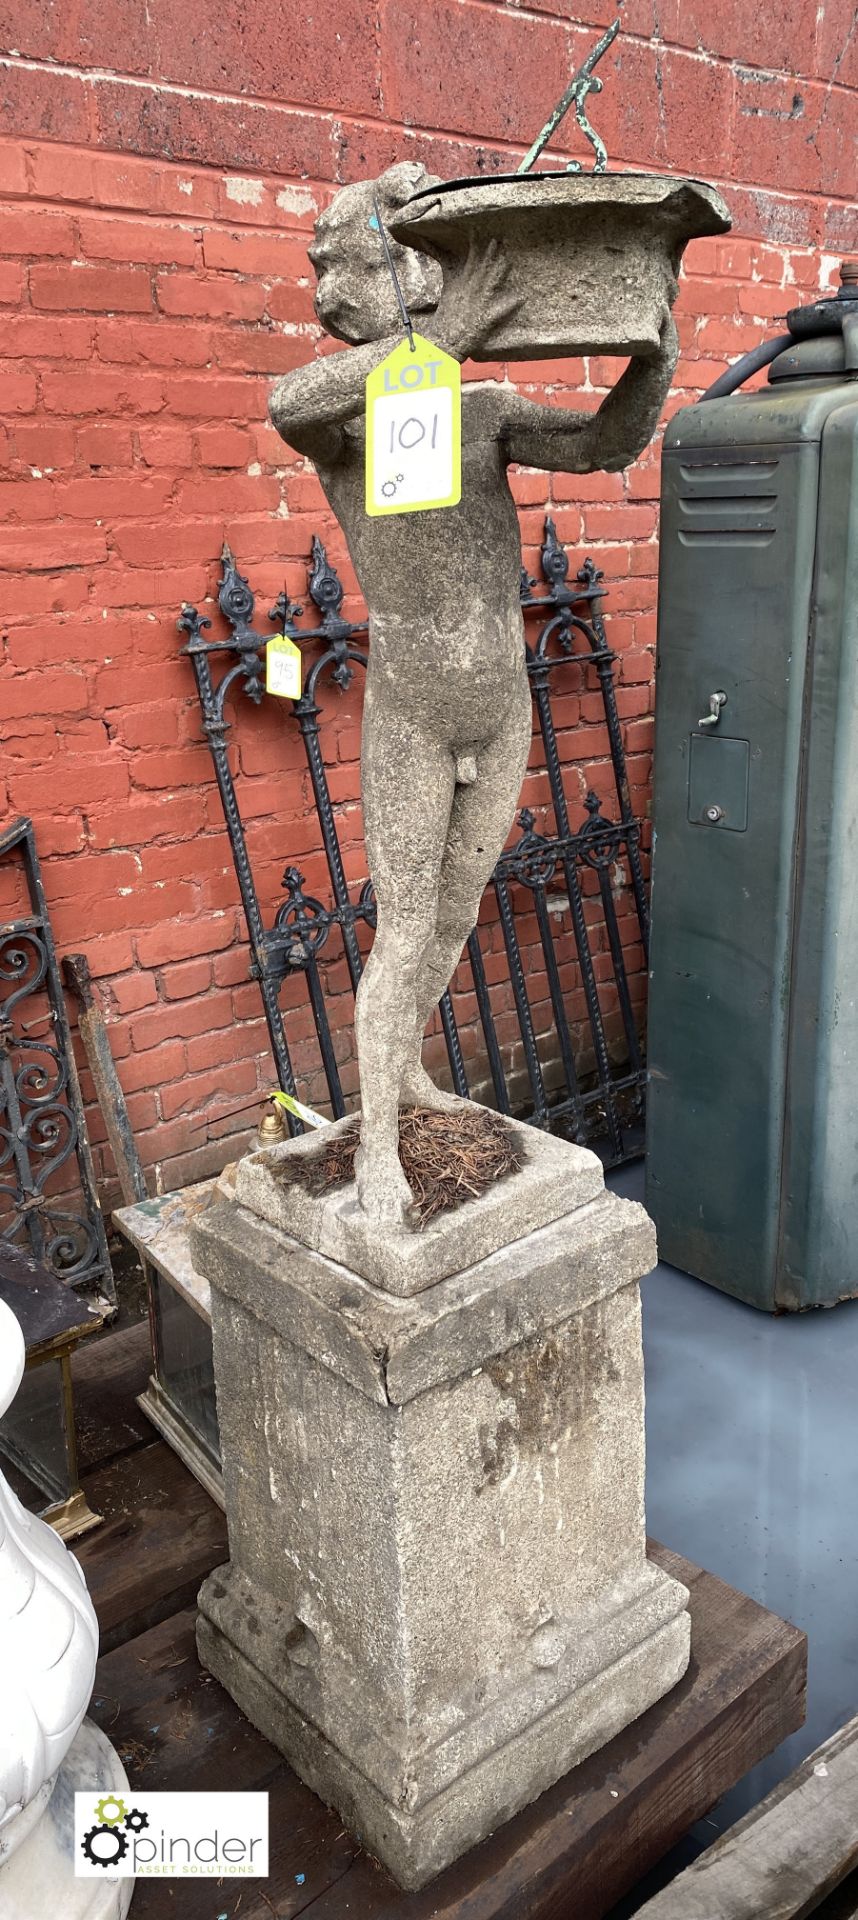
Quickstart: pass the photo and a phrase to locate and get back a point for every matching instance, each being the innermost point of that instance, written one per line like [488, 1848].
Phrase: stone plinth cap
[554, 1179]
[391, 1349]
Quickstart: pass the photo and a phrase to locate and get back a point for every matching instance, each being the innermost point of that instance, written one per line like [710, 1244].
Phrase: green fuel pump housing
[752, 1129]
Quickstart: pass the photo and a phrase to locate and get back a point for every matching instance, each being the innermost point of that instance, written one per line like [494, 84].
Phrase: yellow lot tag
[414, 431]
[283, 668]
[308, 1114]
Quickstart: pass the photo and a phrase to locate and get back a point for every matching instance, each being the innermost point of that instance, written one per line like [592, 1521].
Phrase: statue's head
[355, 298]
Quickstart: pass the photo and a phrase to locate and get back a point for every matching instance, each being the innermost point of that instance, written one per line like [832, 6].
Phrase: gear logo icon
[110, 1810]
[136, 1820]
[104, 1846]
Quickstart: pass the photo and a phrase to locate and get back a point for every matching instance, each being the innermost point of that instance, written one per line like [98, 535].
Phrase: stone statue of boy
[447, 715]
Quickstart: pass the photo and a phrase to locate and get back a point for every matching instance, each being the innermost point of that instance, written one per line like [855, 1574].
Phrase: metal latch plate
[718, 781]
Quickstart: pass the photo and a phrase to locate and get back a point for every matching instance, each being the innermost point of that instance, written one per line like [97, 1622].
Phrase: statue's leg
[481, 818]
[407, 782]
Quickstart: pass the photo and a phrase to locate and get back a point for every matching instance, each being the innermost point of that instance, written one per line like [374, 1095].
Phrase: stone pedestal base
[416, 1846]
[438, 1598]
[37, 1881]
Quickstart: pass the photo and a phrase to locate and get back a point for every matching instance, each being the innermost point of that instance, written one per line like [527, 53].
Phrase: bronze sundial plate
[593, 256]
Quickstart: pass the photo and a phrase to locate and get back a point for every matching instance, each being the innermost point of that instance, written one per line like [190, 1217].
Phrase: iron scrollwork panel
[42, 1126]
[566, 875]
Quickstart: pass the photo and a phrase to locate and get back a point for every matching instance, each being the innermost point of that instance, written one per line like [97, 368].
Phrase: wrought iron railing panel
[43, 1137]
[565, 874]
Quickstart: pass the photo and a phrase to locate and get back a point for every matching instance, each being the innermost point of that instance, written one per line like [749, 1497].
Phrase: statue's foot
[418, 1090]
[383, 1190]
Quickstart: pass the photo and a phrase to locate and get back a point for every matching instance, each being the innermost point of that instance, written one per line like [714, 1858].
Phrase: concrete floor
[752, 1471]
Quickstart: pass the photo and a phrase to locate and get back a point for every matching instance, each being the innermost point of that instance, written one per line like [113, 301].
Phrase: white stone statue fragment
[48, 1752]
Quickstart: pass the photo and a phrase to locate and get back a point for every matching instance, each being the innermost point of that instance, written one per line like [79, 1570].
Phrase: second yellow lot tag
[283, 668]
[414, 430]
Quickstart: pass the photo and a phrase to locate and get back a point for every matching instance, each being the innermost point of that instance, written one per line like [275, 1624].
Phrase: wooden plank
[161, 1535]
[108, 1374]
[576, 1850]
[176, 1728]
[787, 1855]
[102, 1066]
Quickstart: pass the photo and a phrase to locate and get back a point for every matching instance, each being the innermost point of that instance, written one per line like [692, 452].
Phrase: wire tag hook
[406, 317]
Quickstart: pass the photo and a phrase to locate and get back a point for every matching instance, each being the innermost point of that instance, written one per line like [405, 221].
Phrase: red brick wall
[160, 170]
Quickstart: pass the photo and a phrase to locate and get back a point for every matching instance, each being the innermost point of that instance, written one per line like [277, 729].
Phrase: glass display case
[180, 1396]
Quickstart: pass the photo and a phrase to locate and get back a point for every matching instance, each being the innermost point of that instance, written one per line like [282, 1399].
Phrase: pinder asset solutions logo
[176, 1836]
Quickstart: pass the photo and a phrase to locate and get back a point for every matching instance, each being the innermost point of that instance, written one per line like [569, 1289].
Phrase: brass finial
[272, 1127]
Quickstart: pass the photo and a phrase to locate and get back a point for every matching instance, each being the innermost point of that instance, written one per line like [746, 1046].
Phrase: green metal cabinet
[752, 1134]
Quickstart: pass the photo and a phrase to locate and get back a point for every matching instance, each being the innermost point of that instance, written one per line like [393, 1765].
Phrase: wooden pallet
[575, 1851]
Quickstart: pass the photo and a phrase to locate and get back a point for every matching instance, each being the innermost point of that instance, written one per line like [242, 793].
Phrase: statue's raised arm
[563, 441]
